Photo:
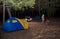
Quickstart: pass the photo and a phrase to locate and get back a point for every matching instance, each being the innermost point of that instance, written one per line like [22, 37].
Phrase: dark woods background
[32, 12]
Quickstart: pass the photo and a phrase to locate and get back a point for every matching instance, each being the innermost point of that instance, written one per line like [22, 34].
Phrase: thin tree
[17, 5]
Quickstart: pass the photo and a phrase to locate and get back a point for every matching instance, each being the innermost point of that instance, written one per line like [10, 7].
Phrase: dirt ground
[37, 30]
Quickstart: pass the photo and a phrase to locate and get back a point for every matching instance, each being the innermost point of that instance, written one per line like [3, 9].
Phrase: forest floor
[37, 30]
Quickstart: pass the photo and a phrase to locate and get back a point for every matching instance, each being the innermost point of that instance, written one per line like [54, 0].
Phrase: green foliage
[20, 4]
[1, 1]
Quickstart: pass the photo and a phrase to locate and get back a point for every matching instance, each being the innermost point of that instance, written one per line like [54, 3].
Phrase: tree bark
[3, 12]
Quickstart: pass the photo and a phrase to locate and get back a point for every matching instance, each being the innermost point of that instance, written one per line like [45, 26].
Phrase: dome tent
[13, 24]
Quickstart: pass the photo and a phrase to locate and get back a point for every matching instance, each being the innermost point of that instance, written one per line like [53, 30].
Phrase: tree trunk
[39, 6]
[3, 12]
[9, 12]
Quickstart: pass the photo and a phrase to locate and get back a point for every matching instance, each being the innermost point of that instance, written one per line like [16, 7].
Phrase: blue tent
[12, 24]
[37, 17]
